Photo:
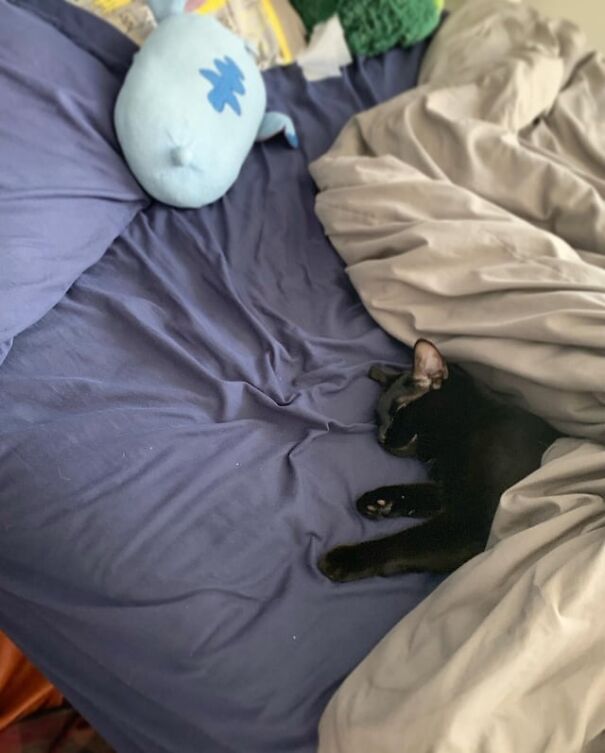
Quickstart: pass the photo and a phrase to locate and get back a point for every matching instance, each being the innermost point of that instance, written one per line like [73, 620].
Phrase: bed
[185, 416]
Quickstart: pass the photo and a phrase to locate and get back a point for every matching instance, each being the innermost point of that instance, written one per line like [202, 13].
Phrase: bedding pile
[472, 211]
[271, 26]
[60, 730]
[23, 690]
[132, 17]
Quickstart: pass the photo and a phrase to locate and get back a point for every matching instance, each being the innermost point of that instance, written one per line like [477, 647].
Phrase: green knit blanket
[374, 26]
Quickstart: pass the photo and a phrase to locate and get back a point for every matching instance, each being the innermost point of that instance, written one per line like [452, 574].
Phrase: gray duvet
[472, 211]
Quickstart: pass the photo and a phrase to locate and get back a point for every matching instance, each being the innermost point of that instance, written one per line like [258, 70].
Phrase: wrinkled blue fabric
[65, 190]
[185, 433]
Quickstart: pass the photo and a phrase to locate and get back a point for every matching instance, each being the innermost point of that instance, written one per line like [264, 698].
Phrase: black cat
[477, 446]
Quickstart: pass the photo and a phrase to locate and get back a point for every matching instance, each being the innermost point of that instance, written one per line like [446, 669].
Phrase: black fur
[477, 446]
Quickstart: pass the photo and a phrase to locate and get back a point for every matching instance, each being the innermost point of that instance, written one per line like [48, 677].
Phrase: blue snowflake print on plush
[226, 85]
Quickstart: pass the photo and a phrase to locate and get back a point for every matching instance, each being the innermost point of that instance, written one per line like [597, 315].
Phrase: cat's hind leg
[440, 545]
[401, 501]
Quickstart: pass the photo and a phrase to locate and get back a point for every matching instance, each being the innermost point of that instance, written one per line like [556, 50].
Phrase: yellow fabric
[210, 6]
[107, 6]
[278, 30]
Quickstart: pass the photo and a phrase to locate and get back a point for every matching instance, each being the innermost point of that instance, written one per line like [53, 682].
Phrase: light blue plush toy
[192, 105]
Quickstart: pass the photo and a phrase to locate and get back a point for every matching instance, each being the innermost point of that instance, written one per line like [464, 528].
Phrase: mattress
[185, 433]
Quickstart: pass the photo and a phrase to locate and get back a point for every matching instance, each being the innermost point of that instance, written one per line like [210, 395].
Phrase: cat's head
[403, 391]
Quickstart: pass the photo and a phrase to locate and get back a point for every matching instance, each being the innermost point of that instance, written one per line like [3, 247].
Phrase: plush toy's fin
[274, 123]
[161, 9]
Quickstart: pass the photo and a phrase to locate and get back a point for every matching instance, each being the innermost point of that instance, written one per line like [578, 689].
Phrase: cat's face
[397, 408]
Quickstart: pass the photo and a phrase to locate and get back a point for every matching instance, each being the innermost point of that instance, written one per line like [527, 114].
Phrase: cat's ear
[430, 368]
[383, 376]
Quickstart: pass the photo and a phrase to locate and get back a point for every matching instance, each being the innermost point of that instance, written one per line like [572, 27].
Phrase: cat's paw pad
[373, 507]
[404, 500]
[381, 508]
[343, 564]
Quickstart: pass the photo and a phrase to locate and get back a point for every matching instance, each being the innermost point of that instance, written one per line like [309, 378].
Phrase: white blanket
[471, 210]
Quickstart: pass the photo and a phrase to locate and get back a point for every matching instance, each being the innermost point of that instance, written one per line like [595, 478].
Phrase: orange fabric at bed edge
[23, 689]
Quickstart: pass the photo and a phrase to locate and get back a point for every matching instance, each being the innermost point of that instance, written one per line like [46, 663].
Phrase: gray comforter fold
[471, 210]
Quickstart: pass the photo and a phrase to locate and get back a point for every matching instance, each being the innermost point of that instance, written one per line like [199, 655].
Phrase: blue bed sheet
[184, 434]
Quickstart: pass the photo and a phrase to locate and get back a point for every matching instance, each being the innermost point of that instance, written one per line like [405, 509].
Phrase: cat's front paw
[404, 500]
[375, 506]
[345, 563]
